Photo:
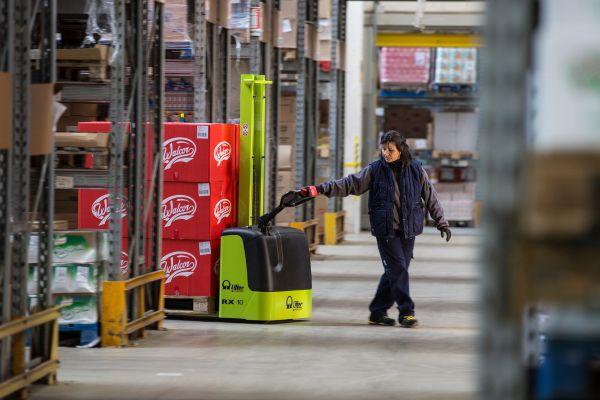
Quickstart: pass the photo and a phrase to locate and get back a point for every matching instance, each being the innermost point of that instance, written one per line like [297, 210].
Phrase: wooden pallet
[311, 230]
[190, 305]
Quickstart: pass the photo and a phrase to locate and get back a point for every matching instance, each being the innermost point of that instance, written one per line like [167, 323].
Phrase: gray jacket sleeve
[355, 184]
[431, 201]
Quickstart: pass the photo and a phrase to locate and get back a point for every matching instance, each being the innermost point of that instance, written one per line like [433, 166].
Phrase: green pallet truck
[265, 271]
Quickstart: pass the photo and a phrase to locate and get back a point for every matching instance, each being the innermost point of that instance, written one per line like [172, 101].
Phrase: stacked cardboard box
[414, 123]
[457, 199]
[286, 156]
[199, 202]
[405, 65]
[76, 278]
[456, 65]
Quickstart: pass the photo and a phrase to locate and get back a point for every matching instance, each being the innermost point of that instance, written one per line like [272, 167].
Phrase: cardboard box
[325, 9]
[198, 211]
[311, 41]
[212, 11]
[287, 109]
[6, 113]
[285, 157]
[84, 109]
[419, 144]
[324, 50]
[93, 211]
[41, 120]
[190, 267]
[285, 182]
[275, 29]
[80, 139]
[288, 24]
[287, 133]
[96, 53]
[125, 257]
[200, 152]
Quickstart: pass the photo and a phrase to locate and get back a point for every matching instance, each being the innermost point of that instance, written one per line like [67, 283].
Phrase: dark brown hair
[398, 139]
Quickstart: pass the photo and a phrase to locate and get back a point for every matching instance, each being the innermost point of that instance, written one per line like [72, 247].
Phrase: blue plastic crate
[88, 333]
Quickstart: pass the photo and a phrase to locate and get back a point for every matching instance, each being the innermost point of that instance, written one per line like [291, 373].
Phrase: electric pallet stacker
[265, 272]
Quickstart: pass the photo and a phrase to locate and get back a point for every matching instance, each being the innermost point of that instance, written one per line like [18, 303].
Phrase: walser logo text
[292, 304]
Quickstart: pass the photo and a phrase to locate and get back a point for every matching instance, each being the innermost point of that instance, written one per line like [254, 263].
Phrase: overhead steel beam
[430, 20]
[390, 39]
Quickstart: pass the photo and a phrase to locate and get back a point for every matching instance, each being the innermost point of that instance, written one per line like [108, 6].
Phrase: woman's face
[390, 152]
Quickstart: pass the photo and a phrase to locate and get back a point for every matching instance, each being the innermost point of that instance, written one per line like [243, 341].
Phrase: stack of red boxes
[92, 204]
[200, 164]
[199, 201]
[405, 65]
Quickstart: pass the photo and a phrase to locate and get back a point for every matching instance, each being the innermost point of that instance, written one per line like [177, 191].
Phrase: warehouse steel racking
[25, 212]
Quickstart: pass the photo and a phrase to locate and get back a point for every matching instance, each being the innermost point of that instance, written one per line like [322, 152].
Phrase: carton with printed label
[93, 210]
[198, 211]
[199, 152]
[190, 267]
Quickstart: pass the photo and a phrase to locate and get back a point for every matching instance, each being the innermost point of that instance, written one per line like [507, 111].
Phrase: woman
[398, 187]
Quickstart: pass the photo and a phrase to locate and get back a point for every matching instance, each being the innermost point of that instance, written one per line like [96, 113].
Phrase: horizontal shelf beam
[390, 39]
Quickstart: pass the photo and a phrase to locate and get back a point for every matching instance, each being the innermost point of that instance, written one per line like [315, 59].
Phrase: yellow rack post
[116, 328]
[334, 227]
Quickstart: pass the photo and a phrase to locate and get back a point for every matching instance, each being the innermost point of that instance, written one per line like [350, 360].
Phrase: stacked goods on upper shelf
[179, 63]
[199, 200]
[455, 131]
[404, 66]
[288, 22]
[456, 66]
[176, 31]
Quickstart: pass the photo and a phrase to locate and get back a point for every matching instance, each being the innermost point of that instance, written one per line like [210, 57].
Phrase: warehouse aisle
[334, 356]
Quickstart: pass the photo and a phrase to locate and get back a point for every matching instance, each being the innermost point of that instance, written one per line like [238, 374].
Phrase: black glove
[447, 231]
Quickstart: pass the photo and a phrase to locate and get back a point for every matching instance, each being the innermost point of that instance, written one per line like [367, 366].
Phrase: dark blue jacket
[383, 192]
[392, 208]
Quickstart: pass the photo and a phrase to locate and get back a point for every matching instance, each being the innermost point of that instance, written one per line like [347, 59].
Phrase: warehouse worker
[398, 187]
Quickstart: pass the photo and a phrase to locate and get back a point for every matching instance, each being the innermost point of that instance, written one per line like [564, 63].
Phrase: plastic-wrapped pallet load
[78, 309]
[175, 25]
[455, 65]
[405, 65]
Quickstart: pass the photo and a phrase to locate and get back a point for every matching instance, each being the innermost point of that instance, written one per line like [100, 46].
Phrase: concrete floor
[336, 355]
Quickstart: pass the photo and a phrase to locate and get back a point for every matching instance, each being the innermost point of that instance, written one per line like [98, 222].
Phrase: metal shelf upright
[336, 98]
[306, 105]
[274, 93]
[140, 46]
[199, 43]
[18, 368]
[504, 120]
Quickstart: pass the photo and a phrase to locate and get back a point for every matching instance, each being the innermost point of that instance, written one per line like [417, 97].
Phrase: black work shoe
[408, 321]
[381, 320]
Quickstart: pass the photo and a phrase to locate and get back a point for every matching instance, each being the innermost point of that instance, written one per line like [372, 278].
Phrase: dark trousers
[396, 254]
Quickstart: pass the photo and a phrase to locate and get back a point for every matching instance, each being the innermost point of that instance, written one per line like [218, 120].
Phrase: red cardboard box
[190, 267]
[195, 152]
[198, 211]
[125, 257]
[93, 211]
